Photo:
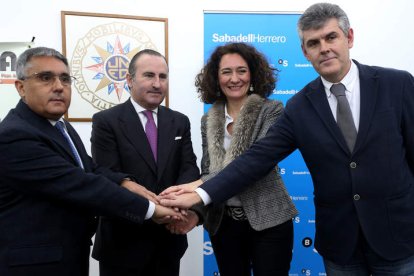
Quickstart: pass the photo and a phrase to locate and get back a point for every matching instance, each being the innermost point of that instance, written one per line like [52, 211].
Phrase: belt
[236, 213]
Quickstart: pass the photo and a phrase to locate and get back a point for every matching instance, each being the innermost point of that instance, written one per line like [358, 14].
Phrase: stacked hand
[164, 215]
[171, 206]
[185, 225]
[161, 214]
[175, 196]
[182, 189]
[181, 196]
[140, 190]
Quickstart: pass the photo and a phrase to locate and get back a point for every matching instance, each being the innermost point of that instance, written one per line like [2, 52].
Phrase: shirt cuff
[151, 210]
[204, 196]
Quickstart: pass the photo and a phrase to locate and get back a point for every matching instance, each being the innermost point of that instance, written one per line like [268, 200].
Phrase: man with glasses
[50, 189]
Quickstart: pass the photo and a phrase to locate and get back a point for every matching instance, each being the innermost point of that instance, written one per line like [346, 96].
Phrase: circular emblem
[116, 68]
[307, 242]
[100, 62]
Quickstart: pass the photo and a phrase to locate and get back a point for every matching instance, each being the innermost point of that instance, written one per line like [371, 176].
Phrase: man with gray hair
[50, 189]
[354, 128]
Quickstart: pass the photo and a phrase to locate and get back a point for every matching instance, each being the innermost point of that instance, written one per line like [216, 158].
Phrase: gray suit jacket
[266, 203]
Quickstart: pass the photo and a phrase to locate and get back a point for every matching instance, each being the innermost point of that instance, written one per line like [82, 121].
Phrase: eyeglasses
[48, 78]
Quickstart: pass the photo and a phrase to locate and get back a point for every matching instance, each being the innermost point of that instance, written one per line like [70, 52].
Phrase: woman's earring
[218, 93]
[251, 88]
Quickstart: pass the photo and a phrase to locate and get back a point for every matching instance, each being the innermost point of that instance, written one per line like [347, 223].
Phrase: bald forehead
[147, 59]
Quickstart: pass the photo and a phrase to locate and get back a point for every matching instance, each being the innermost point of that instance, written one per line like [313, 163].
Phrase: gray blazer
[266, 203]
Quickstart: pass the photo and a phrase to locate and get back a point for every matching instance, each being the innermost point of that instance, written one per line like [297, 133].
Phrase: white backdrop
[383, 36]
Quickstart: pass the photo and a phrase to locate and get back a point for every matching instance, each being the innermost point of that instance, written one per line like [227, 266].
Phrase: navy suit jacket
[371, 189]
[119, 142]
[47, 203]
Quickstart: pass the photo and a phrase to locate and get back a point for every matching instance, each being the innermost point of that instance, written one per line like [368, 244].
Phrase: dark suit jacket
[371, 189]
[119, 142]
[48, 204]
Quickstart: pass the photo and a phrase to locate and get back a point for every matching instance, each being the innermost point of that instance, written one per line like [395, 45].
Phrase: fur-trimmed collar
[242, 131]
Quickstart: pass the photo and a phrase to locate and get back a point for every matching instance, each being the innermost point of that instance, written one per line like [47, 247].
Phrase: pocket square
[177, 138]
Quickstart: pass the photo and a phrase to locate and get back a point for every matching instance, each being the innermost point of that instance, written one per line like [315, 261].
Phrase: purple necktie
[151, 131]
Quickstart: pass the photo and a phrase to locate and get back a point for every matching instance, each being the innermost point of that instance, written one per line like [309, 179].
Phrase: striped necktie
[60, 126]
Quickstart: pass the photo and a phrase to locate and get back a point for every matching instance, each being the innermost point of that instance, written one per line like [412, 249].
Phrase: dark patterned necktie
[60, 126]
[151, 131]
[344, 117]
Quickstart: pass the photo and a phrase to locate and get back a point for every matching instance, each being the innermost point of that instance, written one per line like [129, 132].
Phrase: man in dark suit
[120, 142]
[363, 187]
[50, 190]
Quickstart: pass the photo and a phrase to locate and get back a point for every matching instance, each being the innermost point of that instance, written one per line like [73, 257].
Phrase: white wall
[383, 36]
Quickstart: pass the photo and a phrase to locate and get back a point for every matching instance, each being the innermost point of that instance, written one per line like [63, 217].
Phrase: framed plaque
[98, 48]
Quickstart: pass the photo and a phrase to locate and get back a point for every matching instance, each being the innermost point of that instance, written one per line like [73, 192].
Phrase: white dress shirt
[352, 92]
[139, 109]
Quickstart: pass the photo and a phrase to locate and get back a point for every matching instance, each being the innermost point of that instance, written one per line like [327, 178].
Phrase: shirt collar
[348, 80]
[229, 119]
[53, 122]
[139, 108]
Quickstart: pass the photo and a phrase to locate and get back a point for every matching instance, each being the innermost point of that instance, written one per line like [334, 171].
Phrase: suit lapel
[79, 147]
[166, 136]
[317, 96]
[46, 127]
[61, 141]
[131, 126]
[369, 95]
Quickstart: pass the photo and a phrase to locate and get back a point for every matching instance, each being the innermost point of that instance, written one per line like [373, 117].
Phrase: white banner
[9, 52]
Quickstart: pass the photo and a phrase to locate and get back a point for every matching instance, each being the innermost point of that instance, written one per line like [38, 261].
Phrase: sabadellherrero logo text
[250, 38]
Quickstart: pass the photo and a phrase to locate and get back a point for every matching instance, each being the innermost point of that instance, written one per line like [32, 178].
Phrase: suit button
[357, 197]
[352, 165]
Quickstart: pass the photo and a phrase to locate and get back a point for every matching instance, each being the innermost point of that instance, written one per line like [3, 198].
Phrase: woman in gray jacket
[252, 231]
